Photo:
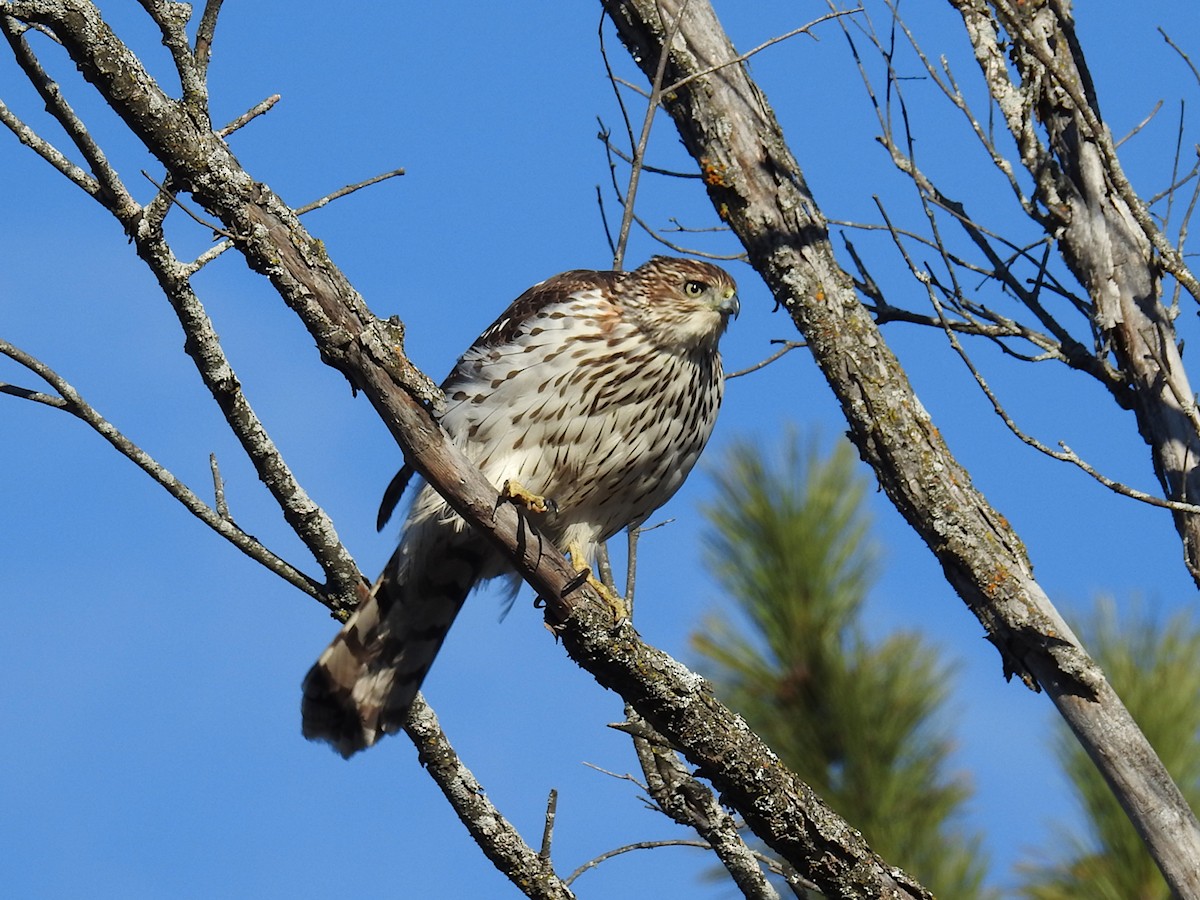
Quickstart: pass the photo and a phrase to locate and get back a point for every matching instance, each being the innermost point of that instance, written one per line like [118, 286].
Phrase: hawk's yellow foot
[514, 492]
[614, 601]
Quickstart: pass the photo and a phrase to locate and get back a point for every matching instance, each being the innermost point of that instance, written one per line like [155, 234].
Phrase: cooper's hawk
[595, 390]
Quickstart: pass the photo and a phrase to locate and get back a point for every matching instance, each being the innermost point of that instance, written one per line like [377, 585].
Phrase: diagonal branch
[725, 119]
[113, 194]
[1106, 235]
[47, 151]
[343, 581]
[691, 804]
[108, 62]
[69, 400]
[495, 835]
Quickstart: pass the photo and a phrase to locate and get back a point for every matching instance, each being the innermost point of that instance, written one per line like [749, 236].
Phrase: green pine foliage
[1153, 666]
[789, 541]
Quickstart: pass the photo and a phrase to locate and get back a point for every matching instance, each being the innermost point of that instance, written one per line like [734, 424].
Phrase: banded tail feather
[363, 684]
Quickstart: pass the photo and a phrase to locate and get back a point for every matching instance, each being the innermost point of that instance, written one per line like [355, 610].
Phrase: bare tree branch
[639, 154]
[172, 19]
[205, 32]
[261, 108]
[113, 194]
[47, 151]
[499, 840]
[1185, 57]
[742, 57]
[723, 118]
[1106, 234]
[788, 347]
[348, 189]
[688, 802]
[70, 401]
[629, 848]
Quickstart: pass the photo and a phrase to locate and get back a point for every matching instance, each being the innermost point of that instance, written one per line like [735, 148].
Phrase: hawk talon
[584, 575]
[518, 495]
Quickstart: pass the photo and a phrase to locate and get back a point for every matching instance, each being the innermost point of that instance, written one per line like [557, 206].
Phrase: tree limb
[681, 797]
[1104, 231]
[725, 120]
[69, 400]
[496, 836]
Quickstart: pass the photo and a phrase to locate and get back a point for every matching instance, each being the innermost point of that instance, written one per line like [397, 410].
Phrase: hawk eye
[694, 288]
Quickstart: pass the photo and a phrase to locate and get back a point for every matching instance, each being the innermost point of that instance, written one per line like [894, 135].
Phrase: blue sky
[151, 673]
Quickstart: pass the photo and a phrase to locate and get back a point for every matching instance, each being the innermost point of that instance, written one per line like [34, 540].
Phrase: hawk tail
[362, 686]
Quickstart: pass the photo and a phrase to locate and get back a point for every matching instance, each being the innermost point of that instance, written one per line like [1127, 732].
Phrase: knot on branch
[383, 341]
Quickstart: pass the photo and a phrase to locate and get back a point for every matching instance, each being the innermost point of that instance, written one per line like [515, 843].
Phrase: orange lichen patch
[996, 582]
[714, 172]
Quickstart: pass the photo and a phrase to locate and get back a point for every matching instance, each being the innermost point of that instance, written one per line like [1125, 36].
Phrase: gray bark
[728, 127]
[1105, 235]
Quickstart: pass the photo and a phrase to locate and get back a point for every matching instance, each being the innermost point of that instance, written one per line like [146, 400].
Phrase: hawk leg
[613, 600]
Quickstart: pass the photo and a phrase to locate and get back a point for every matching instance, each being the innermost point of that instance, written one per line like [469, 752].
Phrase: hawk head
[681, 304]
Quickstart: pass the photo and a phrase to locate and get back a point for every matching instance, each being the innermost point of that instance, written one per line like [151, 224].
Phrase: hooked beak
[730, 306]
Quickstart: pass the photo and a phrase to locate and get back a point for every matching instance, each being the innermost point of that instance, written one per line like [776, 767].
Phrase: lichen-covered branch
[495, 835]
[727, 125]
[690, 803]
[1104, 232]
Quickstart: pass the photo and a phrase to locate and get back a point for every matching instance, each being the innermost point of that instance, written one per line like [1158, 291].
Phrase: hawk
[595, 390]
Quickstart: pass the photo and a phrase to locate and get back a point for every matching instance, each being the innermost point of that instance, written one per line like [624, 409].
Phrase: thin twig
[218, 488]
[617, 775]
[608, 237]
[803, 29]
[348, 189]
[494, 834]
[1066, 454]
[604, 136]
[1187, 59]
[639, 153]
[613, 80]
[693, 229]
[548, 828]
[640, 845]
[788, 347]
[78, 407]
[217, 249]
[33, 396]
[1140, 125]
[205, 32]
[258, 109]
[114, 196]
[47, 151]
[170, 195]
[645, 226]
[677, 794]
